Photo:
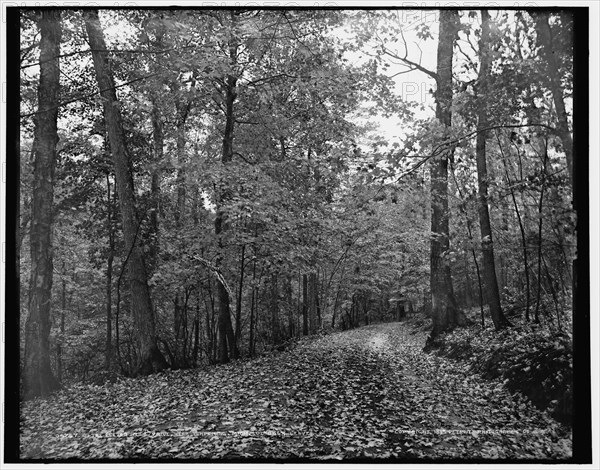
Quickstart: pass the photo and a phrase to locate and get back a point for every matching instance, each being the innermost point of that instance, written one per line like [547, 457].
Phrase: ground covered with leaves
[533, 359]
[369, 393]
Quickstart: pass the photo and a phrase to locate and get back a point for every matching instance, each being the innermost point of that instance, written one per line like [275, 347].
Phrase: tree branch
[441, 147]
[84, 97]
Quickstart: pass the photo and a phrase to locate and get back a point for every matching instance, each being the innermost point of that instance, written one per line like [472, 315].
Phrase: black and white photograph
[298, 234]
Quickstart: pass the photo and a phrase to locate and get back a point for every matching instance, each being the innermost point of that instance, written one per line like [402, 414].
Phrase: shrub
[530, 359]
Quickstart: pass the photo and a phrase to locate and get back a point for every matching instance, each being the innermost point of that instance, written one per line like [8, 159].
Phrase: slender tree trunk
[196, 349]
[552, 291]
[480, 287]
[468, 285]
[312, 302]
[227, 345]
[288, 294]
[319, 318]
[252, 304]
[305, 329]
[183, 109]
[150, 357]
[550, 53]
[251, 333]
[473, 253]
[335, 303]
[445, 313]
[502, 259]
[487, 243]
[523, 238]
[238, 307]
[177, 322]
[209, 320]
[156, 207]
[117, 329]
[540, 227]
[158, 141]
[38, 379]
[274, 307]
[59, 349]
[109, 276]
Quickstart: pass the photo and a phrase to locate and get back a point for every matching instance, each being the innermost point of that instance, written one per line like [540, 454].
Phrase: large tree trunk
[445, 313]
[487, 244]
[227, 344]
[150, 358]
[550, 54]
[38, 379]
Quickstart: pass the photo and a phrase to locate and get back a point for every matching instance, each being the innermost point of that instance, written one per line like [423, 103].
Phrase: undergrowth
[530, 358]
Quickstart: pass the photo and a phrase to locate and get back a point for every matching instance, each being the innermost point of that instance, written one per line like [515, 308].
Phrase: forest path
[366, 393]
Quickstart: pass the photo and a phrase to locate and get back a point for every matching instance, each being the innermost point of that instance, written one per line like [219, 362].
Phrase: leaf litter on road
[366, 393]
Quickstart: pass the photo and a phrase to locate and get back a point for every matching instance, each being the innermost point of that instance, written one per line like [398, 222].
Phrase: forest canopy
[201, 185]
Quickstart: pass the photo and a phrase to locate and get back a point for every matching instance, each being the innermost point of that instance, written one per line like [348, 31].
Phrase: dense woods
[205, 186]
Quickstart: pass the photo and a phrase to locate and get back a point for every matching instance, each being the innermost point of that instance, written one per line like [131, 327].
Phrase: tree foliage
[229, 164]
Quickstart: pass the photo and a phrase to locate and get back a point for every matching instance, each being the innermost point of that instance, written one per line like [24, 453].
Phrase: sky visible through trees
[382, 201]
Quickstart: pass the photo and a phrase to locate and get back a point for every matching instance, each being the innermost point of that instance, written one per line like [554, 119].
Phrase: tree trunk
[552, 288]
[227, 345]
[305, 330]
[196, 349]
[540, 232]
[289, 302]
[318, 304]
[238, 307]
[109, 276]
[183, 109]
[335, 305]
[312, 302]
[523, 239]
[150, 358]
[487, 243]
[274, 307]
[59, 349]
[252, 305]
[38, 379]
[209, 306]
[468, 297]
[480, 287]
[158, 141]
[445, 314]
[155, 210]
[470, 234]
[550, 54]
